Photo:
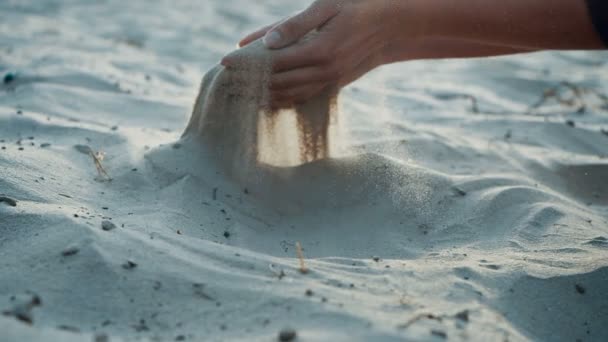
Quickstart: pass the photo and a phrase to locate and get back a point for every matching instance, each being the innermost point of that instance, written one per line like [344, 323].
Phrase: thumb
[296, 27]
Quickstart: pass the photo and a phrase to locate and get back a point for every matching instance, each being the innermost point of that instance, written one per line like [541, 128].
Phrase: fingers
[255, 35]
[288, 97]
[299, 55]
[315, 52]
[294, 28]
[305, 75]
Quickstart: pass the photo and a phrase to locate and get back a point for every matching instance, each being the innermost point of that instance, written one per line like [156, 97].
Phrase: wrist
[412, 19]
[407, 23]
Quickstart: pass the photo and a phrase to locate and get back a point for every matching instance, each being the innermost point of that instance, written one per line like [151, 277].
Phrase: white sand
[499, 213]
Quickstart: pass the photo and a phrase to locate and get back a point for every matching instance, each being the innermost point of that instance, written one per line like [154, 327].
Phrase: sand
[235, 125]
[459, 205]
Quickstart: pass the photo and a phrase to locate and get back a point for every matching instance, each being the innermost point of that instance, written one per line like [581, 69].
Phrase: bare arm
[355, 36]
[538, 24]
[440, 48]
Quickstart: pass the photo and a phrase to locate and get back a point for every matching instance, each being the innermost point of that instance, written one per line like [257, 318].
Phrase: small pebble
[439, 333]
[8, 78]
[463, 315]
[70, 251]
[459, 191]
[45, 145]
[129, 265]
[227, 234]
[287, 335]
[84, 149]
[101, 338]
[107, 225]
[580, 289]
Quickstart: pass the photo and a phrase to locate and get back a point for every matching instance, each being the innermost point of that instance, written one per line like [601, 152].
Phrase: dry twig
[303, 268]
[97, 158]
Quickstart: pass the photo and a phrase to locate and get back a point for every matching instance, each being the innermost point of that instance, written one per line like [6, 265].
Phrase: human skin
[356, 36]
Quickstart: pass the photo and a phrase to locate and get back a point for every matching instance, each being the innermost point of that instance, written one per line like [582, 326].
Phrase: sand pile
[463, 212]
[233, 118]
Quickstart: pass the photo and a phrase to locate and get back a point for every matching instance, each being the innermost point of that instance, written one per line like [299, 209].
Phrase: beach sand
[468, 200]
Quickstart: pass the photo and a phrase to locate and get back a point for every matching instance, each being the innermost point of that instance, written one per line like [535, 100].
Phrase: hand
[351, 35]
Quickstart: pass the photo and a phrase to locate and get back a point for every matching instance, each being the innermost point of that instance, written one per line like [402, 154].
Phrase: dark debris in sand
[439, 333]
[9, 201]
[107, 225]
[22, 307]
[287, 335]
[129, 265]
[72, 250]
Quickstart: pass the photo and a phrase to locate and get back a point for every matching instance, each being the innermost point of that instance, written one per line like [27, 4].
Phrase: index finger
[255, 35]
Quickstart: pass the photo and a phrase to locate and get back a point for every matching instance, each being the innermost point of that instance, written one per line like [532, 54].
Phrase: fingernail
[226, 60]
[272, 39]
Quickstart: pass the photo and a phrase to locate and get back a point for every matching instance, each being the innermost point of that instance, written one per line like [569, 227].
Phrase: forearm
[539, 24]
[438, 48]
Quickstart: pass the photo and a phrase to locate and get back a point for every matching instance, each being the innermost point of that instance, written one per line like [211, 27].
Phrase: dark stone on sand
[439, 333]
[459, 191]
[9, 201]
[287, 335]
[129, 265]
[227, 234]
[84, 149]
[463, 315]
[45, 145]
[101, 338]
[68, 328]
[376, 258]
[309, 293]
[8, 78]
[570, 123]
[107, 225]
[70, 251]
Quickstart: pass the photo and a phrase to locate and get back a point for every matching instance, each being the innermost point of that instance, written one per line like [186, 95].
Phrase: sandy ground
[461, 207]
